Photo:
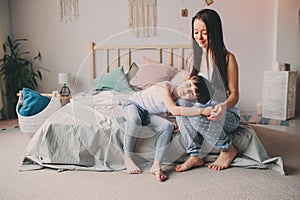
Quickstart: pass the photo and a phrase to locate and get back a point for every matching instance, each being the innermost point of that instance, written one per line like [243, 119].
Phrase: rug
[258, 119]
[8, 124]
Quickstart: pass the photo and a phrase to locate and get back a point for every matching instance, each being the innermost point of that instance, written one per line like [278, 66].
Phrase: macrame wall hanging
[68, 10]
[142, 17]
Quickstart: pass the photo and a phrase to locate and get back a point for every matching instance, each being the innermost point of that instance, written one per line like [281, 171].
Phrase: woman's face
[187, 90]
[200, 33]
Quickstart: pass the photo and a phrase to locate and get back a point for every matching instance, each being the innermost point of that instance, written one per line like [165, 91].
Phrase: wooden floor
[8, 124]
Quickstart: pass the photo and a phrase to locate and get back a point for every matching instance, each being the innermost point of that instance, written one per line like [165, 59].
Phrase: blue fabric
[33, 103]
[115, 79]
[201, 135]
[136, 118]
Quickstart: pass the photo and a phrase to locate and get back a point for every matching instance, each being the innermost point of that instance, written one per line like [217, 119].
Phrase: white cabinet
[279, 94]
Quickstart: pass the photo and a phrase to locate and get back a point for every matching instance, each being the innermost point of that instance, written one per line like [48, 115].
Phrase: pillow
[130, 74]
[33, 102]
[115, 79]
[132, 71]
[152, 73]
[147, 60]
[179, 77]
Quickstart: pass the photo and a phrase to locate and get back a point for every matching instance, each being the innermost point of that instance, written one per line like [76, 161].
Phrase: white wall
[4, 19]
[288, 37]
[248, 31]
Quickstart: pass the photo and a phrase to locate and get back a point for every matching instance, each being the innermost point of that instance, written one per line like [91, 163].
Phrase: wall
[4, 31]
[288, 37]
[248, 33]
[4, 19]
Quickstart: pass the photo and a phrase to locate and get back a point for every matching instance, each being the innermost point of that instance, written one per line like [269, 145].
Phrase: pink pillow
[152, 73]
[147, 60]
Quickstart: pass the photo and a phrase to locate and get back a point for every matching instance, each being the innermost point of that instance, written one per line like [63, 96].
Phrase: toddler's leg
[163, 129]
[133, 123]
[157, 171]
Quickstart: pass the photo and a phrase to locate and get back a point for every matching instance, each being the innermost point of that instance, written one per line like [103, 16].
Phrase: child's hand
[186, 78]
[176, 129]
[207, 111]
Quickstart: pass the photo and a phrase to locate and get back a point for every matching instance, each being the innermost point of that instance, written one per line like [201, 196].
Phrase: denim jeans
[201, 135]
[136, 118]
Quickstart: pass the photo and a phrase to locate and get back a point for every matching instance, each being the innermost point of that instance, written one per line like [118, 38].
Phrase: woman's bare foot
[158, 172]
[193, 161]
[224, 160]
[131, 167]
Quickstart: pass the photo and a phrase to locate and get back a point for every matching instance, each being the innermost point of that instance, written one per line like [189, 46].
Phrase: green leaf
[18, 69]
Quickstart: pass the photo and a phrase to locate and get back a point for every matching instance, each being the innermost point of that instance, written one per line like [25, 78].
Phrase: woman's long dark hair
[216, 47]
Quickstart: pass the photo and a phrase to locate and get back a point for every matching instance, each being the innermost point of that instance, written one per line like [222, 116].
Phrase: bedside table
[279, 94]
[64, 100]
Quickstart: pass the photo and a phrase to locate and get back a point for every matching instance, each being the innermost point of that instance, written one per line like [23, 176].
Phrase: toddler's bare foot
[131, 167]
[224, 160]
[193, 161]
[158, 172]
[160, 175]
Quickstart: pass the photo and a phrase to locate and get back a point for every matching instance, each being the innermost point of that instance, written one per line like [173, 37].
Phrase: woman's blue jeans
[202, 135]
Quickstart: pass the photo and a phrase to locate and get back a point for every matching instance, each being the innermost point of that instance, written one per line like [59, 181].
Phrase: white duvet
[87, 134]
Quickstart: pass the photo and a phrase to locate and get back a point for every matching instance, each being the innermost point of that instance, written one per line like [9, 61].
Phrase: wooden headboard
[182, 51]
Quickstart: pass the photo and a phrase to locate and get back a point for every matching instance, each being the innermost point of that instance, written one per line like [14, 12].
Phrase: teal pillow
[115, 79]
[33, 102]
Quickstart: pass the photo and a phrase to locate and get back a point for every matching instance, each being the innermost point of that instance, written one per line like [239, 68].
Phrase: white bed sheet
[87, 134]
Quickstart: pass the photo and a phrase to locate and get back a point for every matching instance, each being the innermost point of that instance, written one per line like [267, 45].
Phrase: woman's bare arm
[233, 86]
[233, 81]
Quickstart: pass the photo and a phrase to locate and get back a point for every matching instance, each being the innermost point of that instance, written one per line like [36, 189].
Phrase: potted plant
[18, 71]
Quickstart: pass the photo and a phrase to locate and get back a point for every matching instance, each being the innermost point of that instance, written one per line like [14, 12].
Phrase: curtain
[142, 17]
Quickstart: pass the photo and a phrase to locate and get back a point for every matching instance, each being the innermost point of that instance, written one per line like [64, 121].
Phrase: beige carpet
[200, 183]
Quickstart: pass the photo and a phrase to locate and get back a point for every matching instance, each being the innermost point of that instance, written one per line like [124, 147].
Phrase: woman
[212, 60]
[143, 107]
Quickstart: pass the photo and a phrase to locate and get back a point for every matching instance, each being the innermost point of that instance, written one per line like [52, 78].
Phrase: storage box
[30, 124]
[279, 94]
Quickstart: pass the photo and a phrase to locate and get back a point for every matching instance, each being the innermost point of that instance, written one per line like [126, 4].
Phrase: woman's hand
[217, 112]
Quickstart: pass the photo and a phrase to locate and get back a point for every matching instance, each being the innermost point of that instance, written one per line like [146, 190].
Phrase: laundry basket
[30, 124]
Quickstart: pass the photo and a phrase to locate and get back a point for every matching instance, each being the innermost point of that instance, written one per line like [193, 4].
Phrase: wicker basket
[30, 124]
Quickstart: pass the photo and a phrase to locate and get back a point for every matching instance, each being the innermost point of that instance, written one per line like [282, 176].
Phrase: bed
[87, 133]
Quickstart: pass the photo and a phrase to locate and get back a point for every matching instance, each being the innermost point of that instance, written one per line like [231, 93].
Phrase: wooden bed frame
[182, 48]
[169, 49]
